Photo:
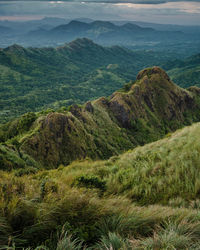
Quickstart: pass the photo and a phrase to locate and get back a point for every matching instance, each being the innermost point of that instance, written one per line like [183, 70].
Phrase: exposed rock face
[153, 106]
[89, 107]
[152, 92]
[121, 113]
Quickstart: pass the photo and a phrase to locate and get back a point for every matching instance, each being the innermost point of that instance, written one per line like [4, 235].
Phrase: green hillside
[186, 72]
[32, 79]
[141, 112]
[97, 205]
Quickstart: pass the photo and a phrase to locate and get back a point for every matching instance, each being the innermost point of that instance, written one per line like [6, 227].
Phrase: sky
[157, 11]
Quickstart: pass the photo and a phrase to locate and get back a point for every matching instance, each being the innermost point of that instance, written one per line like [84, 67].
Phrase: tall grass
[65, 241]
[48, 210]
[112, 241]
[173, 235]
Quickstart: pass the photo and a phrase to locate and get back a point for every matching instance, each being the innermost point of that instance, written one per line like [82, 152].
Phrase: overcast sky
[158, 11]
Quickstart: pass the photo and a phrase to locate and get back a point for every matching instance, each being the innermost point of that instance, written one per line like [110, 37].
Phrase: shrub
[21, 214]
[26, 121]
[25, 171]
[47, 186]
[90, 182]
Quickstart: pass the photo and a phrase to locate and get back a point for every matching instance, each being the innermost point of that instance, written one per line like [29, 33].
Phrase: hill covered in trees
[185, 72]
[32, 79]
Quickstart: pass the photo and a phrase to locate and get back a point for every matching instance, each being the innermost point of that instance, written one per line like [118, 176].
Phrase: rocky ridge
[150, 108]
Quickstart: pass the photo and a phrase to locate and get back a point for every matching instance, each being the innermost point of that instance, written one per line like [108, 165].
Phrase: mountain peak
[131, 26]
[77, 44]
[77, 23]
[152, 71]
[106, 24]
[15, 48]
[81, 42]
[73, 26]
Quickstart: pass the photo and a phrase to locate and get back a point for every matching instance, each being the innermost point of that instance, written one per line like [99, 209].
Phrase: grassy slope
[163, 172]
[89, 198]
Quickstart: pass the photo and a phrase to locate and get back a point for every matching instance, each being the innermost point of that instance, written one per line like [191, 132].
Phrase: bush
[90, 182]
[47, 186]
[25, 171]
[26, 121]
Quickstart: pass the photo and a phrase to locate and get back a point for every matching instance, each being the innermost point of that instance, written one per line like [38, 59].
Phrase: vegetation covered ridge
[33, 79]
[141, 112]
[97, 204]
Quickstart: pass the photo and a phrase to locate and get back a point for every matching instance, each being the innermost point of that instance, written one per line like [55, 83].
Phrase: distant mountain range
[51, 22]
[104, 33]
[138, 35]
[99, 30]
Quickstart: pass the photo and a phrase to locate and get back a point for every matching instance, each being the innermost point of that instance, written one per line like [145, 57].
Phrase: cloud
[103, 1]
[179, 12]
[166, 8]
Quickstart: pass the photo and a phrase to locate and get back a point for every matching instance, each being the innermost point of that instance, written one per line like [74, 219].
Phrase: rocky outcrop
[153, 106]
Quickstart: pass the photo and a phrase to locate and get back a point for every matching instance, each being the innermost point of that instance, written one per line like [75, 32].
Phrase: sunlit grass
[47, 209]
